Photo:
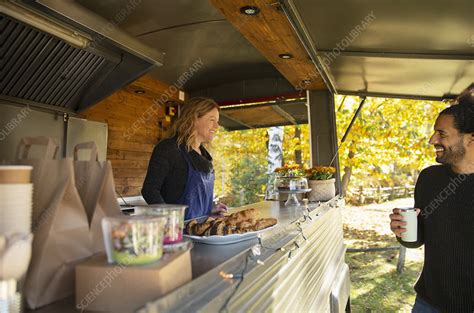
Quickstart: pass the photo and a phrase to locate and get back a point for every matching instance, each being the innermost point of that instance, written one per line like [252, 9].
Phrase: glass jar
[291, 183]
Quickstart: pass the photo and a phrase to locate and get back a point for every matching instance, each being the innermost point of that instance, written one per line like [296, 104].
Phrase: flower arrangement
[290, 170]
[320, 172]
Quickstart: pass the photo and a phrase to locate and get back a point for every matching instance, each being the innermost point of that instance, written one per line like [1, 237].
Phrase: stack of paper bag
[65, 233]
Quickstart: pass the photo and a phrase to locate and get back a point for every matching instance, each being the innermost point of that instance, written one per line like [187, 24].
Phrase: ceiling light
[140, 91]
[249, 10]
[285, 56]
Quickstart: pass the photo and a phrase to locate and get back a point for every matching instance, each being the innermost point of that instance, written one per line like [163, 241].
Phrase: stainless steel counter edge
[209, 291]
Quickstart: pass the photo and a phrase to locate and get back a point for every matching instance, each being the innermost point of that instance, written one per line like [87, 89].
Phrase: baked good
[264, 223]
[199, 229]
[242, 216]
[218, 228]
[244, 227]
[236, 223]
[189, 226]
[230, 229]
[210, 219]
[207, 233]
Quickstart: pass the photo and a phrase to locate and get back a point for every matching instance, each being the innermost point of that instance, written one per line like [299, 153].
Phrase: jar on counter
[174, 214]
[291, 183]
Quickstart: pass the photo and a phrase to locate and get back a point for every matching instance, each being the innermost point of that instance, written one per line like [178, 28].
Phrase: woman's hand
[219, 209]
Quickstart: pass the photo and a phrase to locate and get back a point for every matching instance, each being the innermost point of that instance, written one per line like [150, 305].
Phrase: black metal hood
[59, 55]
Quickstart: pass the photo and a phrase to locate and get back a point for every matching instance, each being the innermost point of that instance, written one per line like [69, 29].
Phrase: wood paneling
[156, 90]
[271, 33]
[258, 116]
[114, 154]
[134, 129]
[139, 164]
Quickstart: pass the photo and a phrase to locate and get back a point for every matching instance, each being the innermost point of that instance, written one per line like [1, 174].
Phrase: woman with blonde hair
[180, 170]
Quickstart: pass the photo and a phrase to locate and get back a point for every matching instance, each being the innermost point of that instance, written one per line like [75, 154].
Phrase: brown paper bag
[43, 195]
[61, 230]
[95, 183]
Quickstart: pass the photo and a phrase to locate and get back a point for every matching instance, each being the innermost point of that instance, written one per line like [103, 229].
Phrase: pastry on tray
[236, 223]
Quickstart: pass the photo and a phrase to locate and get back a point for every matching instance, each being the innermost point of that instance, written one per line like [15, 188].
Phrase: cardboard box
[101, 286]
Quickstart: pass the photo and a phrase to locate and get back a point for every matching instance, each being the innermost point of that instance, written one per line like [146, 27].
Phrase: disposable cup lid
[407, 209]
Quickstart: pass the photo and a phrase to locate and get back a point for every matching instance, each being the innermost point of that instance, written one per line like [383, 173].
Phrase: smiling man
[444, 197]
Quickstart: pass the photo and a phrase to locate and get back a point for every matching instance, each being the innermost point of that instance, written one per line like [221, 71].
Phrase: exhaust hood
[61, 56]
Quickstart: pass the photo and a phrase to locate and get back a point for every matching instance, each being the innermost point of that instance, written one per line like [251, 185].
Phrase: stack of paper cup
[16, 193]
[10, 300]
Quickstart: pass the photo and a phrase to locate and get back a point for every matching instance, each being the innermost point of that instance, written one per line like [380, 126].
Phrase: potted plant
[291, 177]
[290, 170]
[321, 182]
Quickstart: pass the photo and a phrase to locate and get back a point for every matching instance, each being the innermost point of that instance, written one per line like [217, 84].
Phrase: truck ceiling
[267, 49]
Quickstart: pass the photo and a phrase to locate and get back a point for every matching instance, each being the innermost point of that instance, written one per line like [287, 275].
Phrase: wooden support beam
[235, 120]
[284, 114]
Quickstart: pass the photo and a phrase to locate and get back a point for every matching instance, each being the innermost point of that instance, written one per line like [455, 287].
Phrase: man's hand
[397, 222]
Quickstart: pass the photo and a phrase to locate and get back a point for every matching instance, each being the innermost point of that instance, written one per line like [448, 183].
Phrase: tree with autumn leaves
[387, 146]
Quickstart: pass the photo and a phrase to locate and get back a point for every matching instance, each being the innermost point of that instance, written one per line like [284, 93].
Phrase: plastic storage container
[174, 214]
[133, 240]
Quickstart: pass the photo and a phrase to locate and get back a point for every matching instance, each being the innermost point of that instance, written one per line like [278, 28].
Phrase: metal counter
[207, 257]
[296, 266]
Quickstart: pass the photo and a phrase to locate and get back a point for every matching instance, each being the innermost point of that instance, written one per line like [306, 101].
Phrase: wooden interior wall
[133, 131]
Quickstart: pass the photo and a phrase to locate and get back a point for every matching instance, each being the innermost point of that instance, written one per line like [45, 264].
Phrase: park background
[383, 154]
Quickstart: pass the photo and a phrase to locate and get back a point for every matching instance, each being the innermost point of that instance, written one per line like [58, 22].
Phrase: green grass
[376, 285]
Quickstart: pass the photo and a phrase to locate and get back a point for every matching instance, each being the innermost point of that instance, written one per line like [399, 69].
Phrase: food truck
[118, 72]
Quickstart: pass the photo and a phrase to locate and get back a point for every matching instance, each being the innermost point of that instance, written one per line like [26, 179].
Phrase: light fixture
[249, 10]
[45, 24]
[140, 91]
[285, 56]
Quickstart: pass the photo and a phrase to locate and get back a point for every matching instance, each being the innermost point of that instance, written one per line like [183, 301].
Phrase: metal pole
[349, 128]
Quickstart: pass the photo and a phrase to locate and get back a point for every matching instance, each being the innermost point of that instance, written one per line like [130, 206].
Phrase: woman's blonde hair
[184, 126]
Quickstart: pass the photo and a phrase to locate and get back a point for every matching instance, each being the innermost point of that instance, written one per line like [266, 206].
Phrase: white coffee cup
[411, 233]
